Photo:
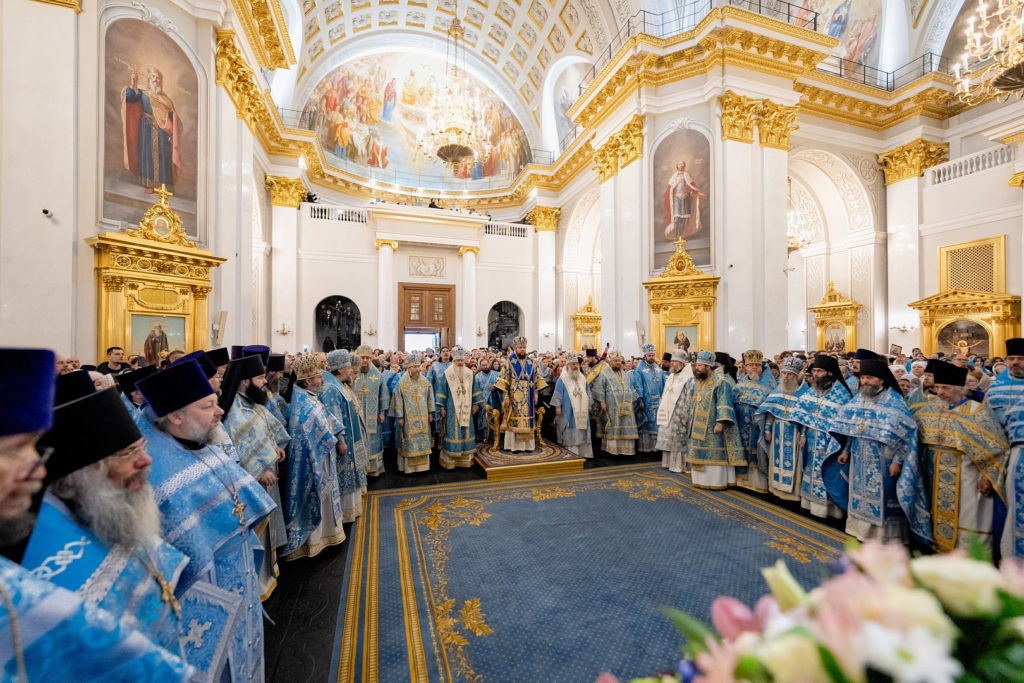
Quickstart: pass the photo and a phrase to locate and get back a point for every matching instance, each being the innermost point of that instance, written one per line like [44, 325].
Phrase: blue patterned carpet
[554, 579]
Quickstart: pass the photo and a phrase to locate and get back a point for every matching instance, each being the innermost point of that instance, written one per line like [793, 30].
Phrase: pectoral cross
[576, 392]
[365, 391]
[239, 511]
[167, 594]
[461, 391]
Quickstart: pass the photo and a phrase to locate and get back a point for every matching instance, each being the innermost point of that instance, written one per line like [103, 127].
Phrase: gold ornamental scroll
[587, 324]
[148, 276]
[682, 305]
[835, 316]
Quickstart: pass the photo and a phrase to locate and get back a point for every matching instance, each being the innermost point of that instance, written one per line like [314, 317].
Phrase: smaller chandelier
[455, 131]
[992, 66]
[798, 231]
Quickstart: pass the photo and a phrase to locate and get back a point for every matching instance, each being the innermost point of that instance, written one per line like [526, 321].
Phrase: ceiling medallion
[992, 65]
[455, 131]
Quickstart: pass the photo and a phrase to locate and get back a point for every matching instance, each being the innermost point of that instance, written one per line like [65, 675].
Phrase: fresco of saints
[152, 132]
[682, 205]
[155, 342]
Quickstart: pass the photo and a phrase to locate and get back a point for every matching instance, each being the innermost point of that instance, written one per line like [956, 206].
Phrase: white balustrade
[972, 163]
[507, 229]
[325, 212]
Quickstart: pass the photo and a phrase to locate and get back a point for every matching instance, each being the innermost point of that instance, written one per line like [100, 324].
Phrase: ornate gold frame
[998, 313]
[834, 308]
[682, 296]
[586, 323]
[151, 270]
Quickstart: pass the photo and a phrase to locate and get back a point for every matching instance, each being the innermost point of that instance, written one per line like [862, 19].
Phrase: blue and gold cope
[614, 389]
[413, 402]
[341, 403]
[747, 395]
[519, 382]
[649, 383]
[817, 412]
[373, 400]
[458, 440]
[709, 403]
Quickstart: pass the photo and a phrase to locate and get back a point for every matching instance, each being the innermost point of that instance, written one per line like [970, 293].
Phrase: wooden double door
[425, 310]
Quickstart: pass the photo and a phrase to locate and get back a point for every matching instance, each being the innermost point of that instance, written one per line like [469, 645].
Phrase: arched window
[338, 324]
[504, 323]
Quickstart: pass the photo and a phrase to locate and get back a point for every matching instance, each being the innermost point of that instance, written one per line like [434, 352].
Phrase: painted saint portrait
[964, 336]
[681, 337]
[682, 197]
[151, 114]
[835, 338]
[153, 336]
[370, 112]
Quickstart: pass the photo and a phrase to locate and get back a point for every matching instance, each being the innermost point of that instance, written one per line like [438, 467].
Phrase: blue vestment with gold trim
[817, 413]
[352, 465]
[1004, 392]
[747, 396]
[781, 458]
[708, 403]
[372, 399]
[459, 440]
[649, 384]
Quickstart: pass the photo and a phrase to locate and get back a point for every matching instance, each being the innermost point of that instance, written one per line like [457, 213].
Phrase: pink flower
[606, 678]
[1012, 572]
[886, 563]
[731, 617]
[718, 664]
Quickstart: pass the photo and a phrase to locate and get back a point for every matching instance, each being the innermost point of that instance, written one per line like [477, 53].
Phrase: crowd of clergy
[144, 508]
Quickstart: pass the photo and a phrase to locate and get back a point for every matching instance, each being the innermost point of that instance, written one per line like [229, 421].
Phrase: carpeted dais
[556, 578]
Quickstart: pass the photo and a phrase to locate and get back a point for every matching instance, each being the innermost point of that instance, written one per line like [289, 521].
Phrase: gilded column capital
[285, 191]
[1017, 179]
[113, 283]
[377, 244]
[201, 292]
[739, 114]
[912, 159]
[775, 123]
[606, 159]
[544, 218]
[466, 250]
[630, 141]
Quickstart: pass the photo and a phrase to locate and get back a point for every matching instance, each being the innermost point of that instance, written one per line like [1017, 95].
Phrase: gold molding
[68, 4]
[998, 313]
[284, 191]
[266, 32]
[544, 218]
[912, 159]
[998, 261]
[586, 324]
[932, 102]
[1017, 179]
[775, 124]
[377, 244]
[682, 296]
[739, 114]
[464, 250]
[835, 309]
[920, 13]
[606, 159]
[1013, 139]
[161, 224]
[621, 149]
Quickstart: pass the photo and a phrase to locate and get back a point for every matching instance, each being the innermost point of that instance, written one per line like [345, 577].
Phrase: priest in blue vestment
[1008, 387]
[312, 501]
[616, 400]
[260, 440]
[673, 418]
[340, 402]
[458, 404]
[649, 382]
[571, 401]
[373, 402]
[192, 473]
[48, 631]
[713, 447]
[819, 404]
[782, 434]
[98, 534]
[133, 399]
[483, 383]
[434, 376]
[747, 396]
[275, 379]
[1012, 542]
[412, 406]
[391, 375]
[873, 471]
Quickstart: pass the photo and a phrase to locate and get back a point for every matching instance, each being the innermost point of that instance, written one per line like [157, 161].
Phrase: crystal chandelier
[992, 65]
[455, 131]
[798, 234]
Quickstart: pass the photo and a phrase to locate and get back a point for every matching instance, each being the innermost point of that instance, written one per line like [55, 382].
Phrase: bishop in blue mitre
[312, 500]
[190, 473]
[57, 631]
[260, 440]
[373, 402]
[648, 382]
[458, 404]
[873, 470]
[616, 399]
[433, 375]
[571, 401]
[340, 401]
[747, 395]
[782, 433]
[519, 383]
[825, 395]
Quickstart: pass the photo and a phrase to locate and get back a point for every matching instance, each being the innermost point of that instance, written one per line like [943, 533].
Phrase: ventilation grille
[972, 267]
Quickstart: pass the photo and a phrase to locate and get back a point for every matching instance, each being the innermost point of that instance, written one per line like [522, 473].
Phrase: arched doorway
[504, 323]
[338, 324]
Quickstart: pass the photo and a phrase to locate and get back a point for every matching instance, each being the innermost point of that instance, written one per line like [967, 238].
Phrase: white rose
[965, 587]
[792, 658]
[914, 607]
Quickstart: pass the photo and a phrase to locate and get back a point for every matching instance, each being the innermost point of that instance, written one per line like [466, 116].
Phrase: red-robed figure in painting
[152, 132]
[682, 205]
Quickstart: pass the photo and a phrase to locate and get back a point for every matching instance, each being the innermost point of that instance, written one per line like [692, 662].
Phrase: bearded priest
[458, 403]
[571, 401]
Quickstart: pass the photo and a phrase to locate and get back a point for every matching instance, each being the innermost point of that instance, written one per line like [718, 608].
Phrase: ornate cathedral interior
[606, 178]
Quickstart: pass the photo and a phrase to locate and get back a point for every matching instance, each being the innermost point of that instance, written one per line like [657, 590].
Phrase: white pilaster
[772, 290]
[737, 298]
[468, 304]
[903, 218]
[387, 306]
[284, 278]
[546, 307]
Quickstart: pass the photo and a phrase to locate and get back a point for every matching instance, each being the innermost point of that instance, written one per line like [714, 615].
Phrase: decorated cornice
[544, 218]
[1017, 179]
[289, 192]
[69, 4]
[266, 32]
[932, 102]
[739, 114]
[912, 159]
[775, 123]
[622, 148]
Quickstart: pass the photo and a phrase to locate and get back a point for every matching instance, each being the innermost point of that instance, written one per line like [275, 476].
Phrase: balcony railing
[884, 80]
[972, 163]
[325, 212]
[507, 229]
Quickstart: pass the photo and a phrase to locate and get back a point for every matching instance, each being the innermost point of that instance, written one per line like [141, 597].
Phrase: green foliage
[693, 630]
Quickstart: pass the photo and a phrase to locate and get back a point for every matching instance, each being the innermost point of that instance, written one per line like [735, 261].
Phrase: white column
[737, 298]
[773, 292]
[387, 305]
[902, 216]
[546, 307]
[284, 267]
[469, 338]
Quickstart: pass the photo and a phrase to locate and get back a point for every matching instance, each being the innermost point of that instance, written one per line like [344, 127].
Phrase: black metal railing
[884, 80]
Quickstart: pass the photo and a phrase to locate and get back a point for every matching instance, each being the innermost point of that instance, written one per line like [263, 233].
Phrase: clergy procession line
[143, 509]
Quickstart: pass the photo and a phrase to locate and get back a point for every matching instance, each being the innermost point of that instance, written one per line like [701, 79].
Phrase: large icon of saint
[682, 205]
[155, 342]
[152, 132]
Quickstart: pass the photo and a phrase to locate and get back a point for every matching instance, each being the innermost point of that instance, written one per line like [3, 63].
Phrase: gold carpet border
[369, 524]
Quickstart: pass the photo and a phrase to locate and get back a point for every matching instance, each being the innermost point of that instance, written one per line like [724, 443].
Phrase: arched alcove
[338, 324]
[504, 323]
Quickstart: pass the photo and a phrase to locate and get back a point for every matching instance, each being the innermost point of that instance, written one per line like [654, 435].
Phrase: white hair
[105, 381]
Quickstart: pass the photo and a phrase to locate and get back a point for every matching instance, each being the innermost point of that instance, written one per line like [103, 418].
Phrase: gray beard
[789, 388]
[17, 528]
[117, 516]
[870, 392]
[1016, 375]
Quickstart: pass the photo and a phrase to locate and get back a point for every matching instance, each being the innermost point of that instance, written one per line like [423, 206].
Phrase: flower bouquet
[881, 617]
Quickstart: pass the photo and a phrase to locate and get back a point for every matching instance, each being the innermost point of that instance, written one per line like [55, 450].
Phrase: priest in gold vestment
[412, 405]
[519, 383]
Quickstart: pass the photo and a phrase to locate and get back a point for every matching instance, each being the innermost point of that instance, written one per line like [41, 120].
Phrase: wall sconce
[903, 329]
[479, 332]
[547, 334]
[284, 331]
[369, 331]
